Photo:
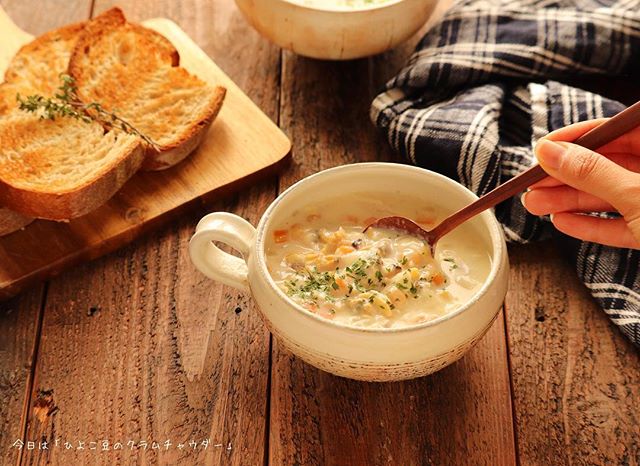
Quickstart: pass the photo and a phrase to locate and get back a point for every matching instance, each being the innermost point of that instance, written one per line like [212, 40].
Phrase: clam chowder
[379, 279]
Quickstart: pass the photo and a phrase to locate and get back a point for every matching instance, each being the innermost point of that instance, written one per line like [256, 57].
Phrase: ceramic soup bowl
[326, 31]
[373, 354]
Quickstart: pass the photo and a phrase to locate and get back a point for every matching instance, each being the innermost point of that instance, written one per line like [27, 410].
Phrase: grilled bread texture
[134, 72]
[63, 168]
[34, 69]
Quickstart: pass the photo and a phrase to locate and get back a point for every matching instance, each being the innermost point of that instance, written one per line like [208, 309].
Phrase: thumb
[590, 172]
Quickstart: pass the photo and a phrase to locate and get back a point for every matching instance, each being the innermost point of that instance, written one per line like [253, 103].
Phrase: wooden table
[138, 346]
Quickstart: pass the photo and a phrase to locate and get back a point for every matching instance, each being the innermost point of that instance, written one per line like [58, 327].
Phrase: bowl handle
[215, 263]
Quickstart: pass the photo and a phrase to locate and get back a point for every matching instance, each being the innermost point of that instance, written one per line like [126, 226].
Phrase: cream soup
[379, 279]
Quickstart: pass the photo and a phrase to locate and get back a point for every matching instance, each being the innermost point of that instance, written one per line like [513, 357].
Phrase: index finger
[630, 162]
[567, 133]
[627, 143]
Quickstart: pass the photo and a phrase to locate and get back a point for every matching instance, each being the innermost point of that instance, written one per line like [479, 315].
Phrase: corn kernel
[383, 306]
[311, 257]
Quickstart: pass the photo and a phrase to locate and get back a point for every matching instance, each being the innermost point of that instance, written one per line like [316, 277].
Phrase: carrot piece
[344, 250]
[438, 279]
[280, 236]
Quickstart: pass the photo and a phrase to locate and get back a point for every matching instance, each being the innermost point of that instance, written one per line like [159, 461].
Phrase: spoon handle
[611, 129]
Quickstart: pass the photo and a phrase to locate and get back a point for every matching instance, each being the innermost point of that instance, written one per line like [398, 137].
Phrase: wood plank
[232, 155]
[139, 345]
[19, 317]
[461, 415]
[576, 378]
[47, 15]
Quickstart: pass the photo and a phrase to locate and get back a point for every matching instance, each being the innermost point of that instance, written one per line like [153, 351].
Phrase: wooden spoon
[611, 129]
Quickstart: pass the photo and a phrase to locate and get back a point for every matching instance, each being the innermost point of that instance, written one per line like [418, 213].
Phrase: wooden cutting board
[242, 145]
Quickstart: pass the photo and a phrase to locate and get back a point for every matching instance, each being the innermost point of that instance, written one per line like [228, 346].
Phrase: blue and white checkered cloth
[486, 83]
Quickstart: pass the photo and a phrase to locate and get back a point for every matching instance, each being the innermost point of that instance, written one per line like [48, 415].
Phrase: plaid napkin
[485, 84]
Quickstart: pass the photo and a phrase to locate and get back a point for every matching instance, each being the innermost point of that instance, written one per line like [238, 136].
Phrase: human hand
[584, 181]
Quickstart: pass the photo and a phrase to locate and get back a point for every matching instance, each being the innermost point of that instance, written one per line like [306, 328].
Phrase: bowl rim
[344, 9]
[495, 233]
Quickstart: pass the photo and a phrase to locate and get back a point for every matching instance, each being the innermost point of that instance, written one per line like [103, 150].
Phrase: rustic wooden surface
[576, 380]
[232, 155]
[139, 346]
[20, 317]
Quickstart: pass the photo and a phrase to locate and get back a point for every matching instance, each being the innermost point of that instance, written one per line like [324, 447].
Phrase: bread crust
[104, 24]
[160, 41]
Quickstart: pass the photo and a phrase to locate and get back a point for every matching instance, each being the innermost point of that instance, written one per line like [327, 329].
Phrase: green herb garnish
[66, 103]
[452, 261]
[313, 283]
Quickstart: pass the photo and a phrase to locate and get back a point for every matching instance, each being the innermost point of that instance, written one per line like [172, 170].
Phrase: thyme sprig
[66, 103]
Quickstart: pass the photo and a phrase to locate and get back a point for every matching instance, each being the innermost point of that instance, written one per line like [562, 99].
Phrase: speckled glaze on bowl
[336, 33]
[358, 353]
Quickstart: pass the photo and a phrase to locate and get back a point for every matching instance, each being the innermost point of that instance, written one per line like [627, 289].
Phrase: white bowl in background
[336, 33]
[373, 354]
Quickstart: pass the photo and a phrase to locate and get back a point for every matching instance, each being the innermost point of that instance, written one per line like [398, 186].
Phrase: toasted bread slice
[34, 69]
[63, 168]
[8, 101]
[133, 71]
[39, 63]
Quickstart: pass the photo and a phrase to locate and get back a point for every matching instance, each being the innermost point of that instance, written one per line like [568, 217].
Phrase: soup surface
[346, 4]
[379, 279]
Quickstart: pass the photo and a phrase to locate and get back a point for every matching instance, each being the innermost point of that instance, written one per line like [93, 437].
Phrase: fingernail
[522, 199]
[549, 153]
[551, 217]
